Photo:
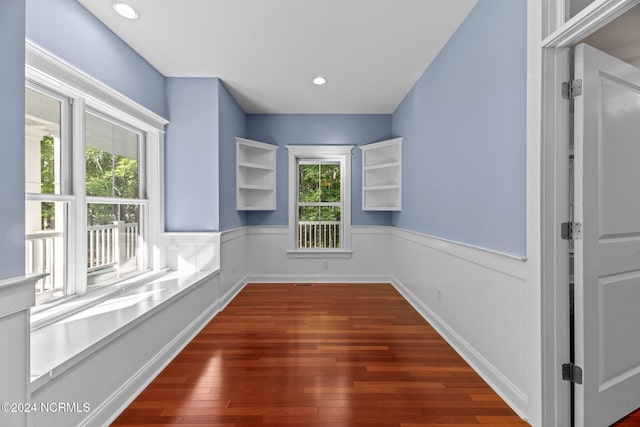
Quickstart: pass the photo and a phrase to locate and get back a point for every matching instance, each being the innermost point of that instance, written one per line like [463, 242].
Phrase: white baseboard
[121, 398]
[514, 397]
[231, 294]
[111, 408]
[319, 278]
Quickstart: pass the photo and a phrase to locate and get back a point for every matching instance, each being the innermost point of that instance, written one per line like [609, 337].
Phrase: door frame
[554, 203]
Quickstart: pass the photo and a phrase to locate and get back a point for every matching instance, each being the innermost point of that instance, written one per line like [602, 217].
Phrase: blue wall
[464, 129]
[12, 32]
[192, 155]
[233, 122]
[317, 129]
[68, 30]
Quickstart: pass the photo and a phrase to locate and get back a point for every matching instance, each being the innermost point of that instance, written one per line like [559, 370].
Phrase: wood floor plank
[327, 355]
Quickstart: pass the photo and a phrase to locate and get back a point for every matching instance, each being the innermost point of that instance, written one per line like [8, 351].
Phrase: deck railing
[318, 234]
[108, 246]
[41, 248]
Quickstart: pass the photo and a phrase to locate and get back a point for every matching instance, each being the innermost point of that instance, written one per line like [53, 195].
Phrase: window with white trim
[87, 168]
[319, 199]
[48, 198]
[115, 202]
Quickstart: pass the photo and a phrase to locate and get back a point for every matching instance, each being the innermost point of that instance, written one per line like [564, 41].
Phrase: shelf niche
[255, 175]
[382, 175]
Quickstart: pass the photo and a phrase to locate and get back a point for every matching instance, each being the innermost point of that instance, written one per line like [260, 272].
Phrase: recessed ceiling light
[125, 10]
[319, 81]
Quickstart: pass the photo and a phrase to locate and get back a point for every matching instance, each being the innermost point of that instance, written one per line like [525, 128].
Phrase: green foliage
[47, 179]
[319, 183]
[109, 175]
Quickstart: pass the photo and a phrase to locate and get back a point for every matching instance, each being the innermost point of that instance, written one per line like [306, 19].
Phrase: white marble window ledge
[58, 346]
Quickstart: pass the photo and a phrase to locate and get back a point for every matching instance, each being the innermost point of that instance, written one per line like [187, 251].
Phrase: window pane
[111, 156]
[308, 213]
[329, 183]
[319, 182]
[330, 213]
[45, 247]
[319, 227]
[42, 143]
[113, 242]
[309, 183]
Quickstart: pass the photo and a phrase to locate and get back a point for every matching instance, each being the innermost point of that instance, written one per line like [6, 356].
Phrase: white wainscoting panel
[268, 260]
[476, 299]
[193, 252]
[111, 377]
[17, 296]
[233, 264]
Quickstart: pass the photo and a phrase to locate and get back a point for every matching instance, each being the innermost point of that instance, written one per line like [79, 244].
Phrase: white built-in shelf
[382, 175]
[255, 175]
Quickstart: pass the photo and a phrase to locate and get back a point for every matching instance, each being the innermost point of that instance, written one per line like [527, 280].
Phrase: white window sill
[319, 253]
[52, 352]
[50, 312]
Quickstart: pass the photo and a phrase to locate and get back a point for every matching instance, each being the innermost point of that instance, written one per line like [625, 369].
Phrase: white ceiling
[267, 51]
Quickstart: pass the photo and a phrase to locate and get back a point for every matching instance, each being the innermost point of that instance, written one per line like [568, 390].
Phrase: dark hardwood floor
[327, 355]
[630, 420]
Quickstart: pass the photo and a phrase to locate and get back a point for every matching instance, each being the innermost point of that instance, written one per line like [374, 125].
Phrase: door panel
[620, 150]
[607, 258]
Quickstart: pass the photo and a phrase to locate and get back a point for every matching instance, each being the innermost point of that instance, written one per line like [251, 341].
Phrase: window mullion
[115, 201]
[78, 223]
[338, 204]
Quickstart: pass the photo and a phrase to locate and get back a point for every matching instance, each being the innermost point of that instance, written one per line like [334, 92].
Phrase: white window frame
[141, 201]
[88, 95]
[332, 153]
[66, 193]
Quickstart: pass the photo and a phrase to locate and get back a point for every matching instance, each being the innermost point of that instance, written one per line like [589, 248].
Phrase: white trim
[267, 229]
[319, 253]
[341, 153]
[371, 229]
[111, 408]
[590, 19]
[155, 199]
[115, 201]
[228, 296]
[46, 314]
[554, 125]
[16, 294]
[318, 278]
[533, 353]
[511, 394]
[233, 234]
[319, 151]
[495, 261]
[54, 71]
[87, 95]
[77, 249]
[554, 270]
[479, 249]
[186, 285]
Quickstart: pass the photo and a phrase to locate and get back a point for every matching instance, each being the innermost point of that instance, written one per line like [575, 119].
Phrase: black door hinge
[572, 372]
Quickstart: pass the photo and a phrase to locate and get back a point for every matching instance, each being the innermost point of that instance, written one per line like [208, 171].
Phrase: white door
[607, 256]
